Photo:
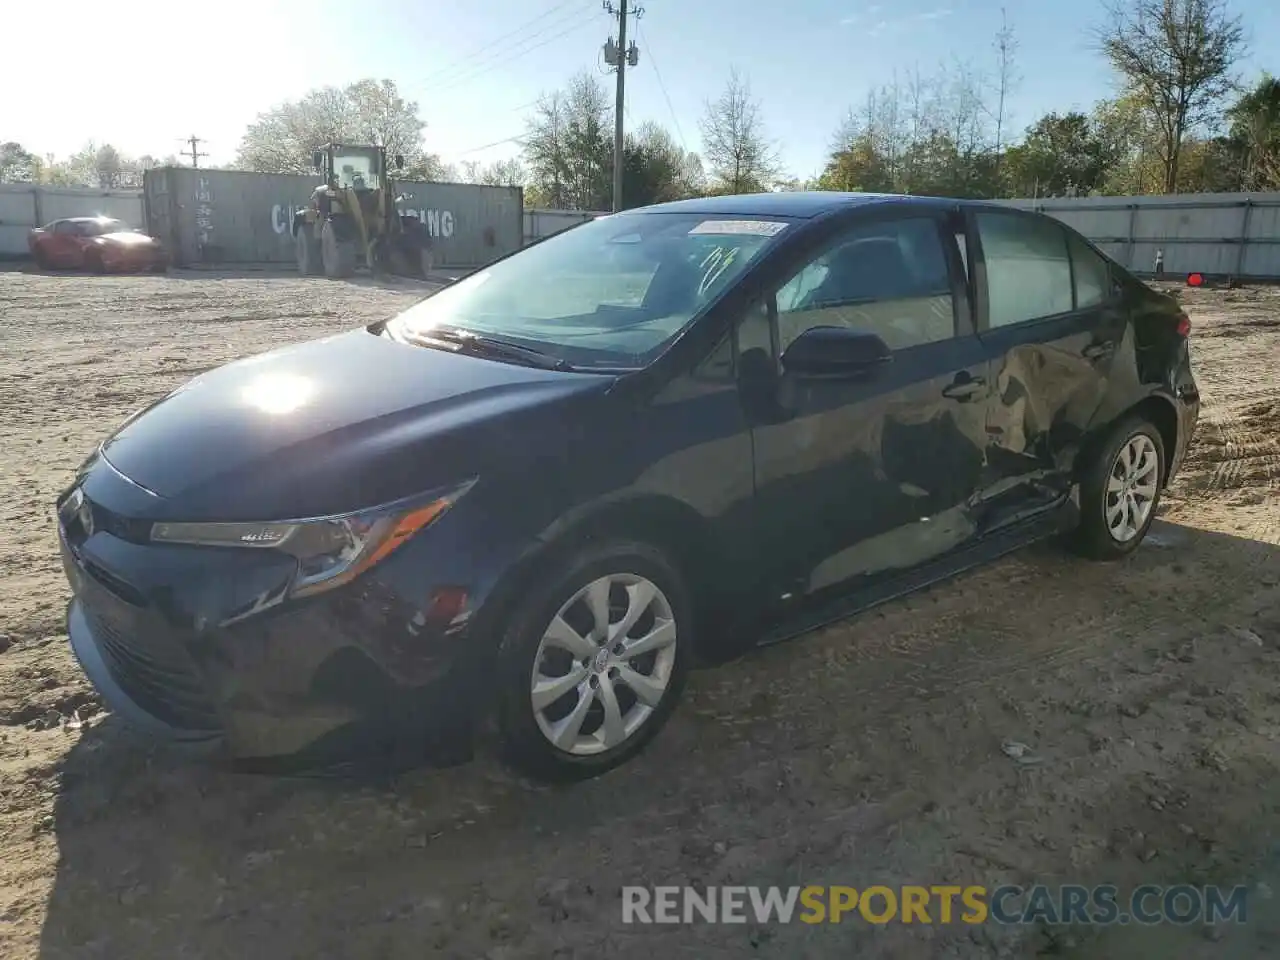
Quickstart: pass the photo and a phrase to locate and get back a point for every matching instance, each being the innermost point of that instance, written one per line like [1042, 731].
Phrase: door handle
[965, 389]
[1095, 350]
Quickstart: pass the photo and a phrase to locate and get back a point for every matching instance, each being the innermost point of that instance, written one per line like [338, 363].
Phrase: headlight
[330, 551]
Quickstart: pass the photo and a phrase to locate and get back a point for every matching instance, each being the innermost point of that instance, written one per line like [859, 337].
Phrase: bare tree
[735, 142]
[499, 173]
[1178, 56]
[368, 111]
[568, 146]
[1007, 78]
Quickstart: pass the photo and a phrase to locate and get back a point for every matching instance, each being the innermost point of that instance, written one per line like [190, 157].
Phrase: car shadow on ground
[867, 753]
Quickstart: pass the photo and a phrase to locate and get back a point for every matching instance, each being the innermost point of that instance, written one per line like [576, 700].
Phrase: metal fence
[543, 223]
[1232, 234]
[27, 205]
[238, 217]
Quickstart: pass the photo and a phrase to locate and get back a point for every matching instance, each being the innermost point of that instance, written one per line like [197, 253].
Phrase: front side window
[889, 278]
[1028, 270]
[610, 293]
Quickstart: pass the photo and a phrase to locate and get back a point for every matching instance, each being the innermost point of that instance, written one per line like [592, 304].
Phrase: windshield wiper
[482, 345]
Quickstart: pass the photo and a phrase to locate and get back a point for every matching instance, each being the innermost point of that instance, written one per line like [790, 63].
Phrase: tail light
[1184, 325]
[1195, 280]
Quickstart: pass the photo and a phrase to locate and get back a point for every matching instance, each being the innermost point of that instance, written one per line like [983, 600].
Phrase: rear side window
[1028, 268]
[1093, 277]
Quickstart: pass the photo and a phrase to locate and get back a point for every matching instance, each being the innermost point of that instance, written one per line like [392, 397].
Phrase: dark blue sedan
[543, 493]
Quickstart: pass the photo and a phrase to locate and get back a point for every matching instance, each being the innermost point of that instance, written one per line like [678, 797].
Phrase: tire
[42, 258]
[93, 262]
[1107, 530]
[307, 251]
[339, 256]
[527, 651]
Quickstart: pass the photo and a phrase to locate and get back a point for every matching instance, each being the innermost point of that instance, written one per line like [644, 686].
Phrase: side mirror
[834, 352]
[399, 161]
[317, 161]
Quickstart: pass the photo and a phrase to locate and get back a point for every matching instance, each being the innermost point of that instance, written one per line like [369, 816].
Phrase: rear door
[867, 476]
[1051, 321]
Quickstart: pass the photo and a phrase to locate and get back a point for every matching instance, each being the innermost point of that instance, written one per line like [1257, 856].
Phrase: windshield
[610, 293]
[356, 169]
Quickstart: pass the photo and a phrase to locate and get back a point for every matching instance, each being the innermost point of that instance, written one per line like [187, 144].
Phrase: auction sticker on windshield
[755, 228]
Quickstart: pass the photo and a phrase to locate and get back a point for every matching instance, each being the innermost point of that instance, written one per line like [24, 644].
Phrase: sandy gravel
[866, 753]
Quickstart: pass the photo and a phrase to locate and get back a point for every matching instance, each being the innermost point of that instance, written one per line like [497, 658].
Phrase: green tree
[108, 166]
[18, 165]
[1176, 56]
[656, 169]
[1254, 137]
[1059, 152]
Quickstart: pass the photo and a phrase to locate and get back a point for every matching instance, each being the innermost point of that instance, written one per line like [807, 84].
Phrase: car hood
[336, 425]
[128, 238]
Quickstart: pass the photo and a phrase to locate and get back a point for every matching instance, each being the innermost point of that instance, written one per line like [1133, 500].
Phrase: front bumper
[304, 691]
[129, 258]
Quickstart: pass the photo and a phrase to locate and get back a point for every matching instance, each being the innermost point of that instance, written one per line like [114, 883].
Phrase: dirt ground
[870, 752]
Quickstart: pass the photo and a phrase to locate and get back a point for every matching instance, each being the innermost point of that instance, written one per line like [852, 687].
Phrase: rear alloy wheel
[1120, 493]
[593, 666]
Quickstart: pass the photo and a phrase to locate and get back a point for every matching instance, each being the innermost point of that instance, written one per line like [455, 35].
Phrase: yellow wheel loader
[351, 219]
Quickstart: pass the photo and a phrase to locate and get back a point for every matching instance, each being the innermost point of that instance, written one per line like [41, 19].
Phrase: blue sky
[475, 67]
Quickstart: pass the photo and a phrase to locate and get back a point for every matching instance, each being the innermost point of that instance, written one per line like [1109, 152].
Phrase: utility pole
[196, 154]
[620, 56]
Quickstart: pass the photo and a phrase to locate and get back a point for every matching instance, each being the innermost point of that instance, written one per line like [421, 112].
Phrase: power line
[662, 86]
[497, 143]
[504, 57]
[448, 68]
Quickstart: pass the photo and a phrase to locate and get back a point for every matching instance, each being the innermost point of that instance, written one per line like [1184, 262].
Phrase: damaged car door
[865, 469]
[1052, 323]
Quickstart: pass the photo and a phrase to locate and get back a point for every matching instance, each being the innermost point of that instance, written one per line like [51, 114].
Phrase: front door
[63, 247]
[1051, 323]
[863, 477]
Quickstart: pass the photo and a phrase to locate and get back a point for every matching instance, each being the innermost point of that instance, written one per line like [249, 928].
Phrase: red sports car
[95, 243]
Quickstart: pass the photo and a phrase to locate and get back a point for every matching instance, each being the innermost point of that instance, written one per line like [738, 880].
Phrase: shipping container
[26, 205]
[239, 217]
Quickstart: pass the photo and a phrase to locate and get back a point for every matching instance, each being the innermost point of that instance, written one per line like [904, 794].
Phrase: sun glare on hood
[279, 393]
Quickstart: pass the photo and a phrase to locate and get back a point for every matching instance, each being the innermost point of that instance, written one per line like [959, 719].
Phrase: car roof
[798, 204]
[87, 219]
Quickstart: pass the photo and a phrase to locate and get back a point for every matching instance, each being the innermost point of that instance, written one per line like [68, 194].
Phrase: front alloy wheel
[592, 660]
[604, 664]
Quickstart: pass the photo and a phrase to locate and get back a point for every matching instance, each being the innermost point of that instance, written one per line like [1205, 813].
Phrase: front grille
[152, 669]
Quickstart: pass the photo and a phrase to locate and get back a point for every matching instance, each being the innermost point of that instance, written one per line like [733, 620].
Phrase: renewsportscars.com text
[937, 904]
